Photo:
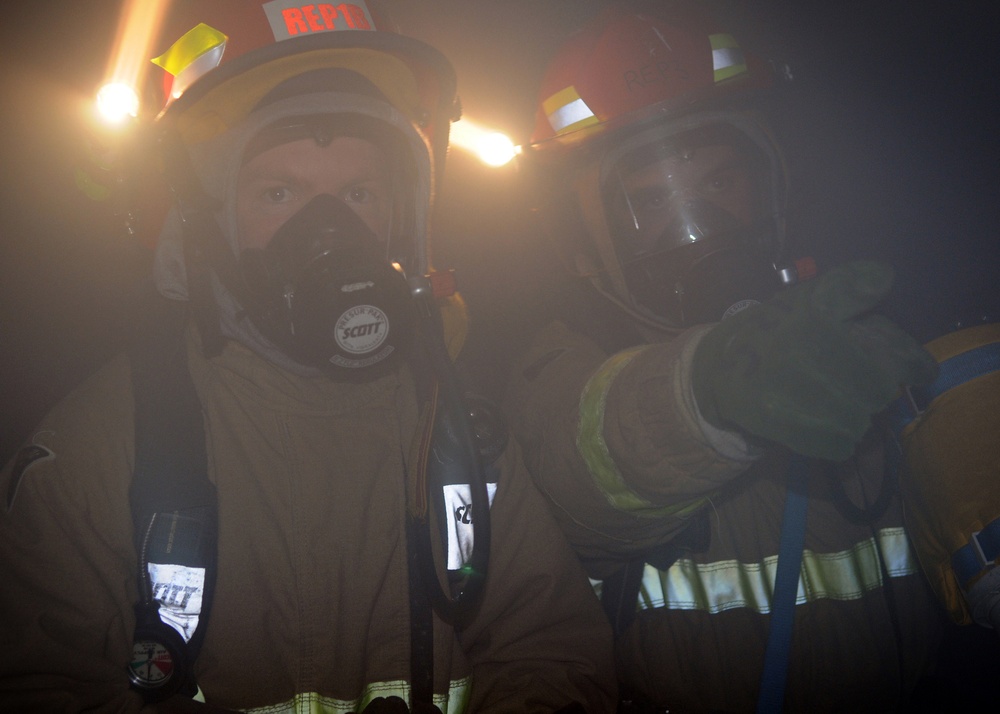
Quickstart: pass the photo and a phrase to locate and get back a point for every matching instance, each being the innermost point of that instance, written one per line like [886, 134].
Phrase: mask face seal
[323, 291]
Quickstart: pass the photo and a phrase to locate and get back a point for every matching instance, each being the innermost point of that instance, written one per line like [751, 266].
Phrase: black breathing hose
[460, 608]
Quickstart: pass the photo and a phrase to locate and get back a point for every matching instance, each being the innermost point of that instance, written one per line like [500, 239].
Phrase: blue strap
[978, 554]
[786, 585]
[951, 373]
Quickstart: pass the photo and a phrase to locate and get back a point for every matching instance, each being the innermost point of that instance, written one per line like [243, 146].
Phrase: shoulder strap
[174, 508]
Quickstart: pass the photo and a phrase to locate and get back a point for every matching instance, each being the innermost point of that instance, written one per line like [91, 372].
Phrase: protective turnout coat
[636, 476]
[311, 608]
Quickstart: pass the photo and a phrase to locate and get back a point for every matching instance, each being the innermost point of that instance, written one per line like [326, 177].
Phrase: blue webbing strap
[984, 546]
[951, 373]
[786, 584]
[978, 554]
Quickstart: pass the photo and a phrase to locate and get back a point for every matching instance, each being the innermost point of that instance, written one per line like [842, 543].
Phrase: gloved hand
[810, 367]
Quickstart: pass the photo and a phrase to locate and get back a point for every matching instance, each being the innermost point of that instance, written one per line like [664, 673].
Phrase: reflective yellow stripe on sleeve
[455, 702]
[727, 585]
[592, 447]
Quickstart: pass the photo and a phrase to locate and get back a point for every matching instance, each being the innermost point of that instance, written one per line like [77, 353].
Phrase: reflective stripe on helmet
[567, 111]
[592, 447]
[727, 57]
[730, 584]
[192, 45]
[198, 51]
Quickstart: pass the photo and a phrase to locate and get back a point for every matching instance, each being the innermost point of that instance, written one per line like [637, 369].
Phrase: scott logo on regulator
[370, 328]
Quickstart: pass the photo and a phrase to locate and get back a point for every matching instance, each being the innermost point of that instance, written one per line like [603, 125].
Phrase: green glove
[809, 368]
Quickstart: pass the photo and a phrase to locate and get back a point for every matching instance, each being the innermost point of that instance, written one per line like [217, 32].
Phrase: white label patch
[458, 509]
[362, 329]
[179, 590]
[289, 18]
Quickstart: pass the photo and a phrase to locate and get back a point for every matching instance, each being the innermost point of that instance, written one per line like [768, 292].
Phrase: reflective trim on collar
[455, 702]
[594, 451]
[729, 584]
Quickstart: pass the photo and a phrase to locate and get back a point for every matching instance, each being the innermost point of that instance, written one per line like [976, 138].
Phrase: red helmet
[643, 115]
[638, 61]
[220, 58]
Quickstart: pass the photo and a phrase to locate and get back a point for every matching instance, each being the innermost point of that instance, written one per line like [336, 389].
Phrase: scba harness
[174, 511]
[175, 516]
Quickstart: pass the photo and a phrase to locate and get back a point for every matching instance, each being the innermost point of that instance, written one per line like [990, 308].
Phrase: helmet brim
[413, 76]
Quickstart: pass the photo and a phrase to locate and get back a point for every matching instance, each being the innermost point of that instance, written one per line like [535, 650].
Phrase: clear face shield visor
[689, 211]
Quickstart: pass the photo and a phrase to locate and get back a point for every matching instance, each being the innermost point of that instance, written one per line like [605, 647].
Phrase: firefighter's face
[276, 183]
[655, 202]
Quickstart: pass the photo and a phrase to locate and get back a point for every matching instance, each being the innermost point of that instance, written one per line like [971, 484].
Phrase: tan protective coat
[312, 597]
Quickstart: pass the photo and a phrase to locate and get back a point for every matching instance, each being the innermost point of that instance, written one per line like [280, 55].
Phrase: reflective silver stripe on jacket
[729, 584]
[455, 702]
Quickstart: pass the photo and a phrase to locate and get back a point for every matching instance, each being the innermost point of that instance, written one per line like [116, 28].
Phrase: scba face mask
[693, 217]
[270, 292]
[324, 292]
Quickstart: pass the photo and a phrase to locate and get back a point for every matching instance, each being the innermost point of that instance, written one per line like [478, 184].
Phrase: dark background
[891, 136]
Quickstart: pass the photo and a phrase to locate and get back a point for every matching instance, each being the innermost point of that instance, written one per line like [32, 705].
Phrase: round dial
[152, 663]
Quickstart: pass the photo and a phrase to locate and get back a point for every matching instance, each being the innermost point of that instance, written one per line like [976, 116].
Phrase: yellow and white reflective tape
[727, 585]
[194, 43]
[727, 57]
[594, 450]
[455, 702]
[198, 51]
[567, 111]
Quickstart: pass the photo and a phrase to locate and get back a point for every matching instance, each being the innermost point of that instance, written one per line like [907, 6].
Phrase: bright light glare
[116, 101]
[138, 25]
[496, 149]
[492, 147]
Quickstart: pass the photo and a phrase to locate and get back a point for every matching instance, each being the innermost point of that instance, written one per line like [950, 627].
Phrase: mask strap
[205, 249]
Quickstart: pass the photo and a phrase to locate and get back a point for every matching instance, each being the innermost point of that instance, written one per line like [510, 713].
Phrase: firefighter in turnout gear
[699, 402]
[283, 499]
